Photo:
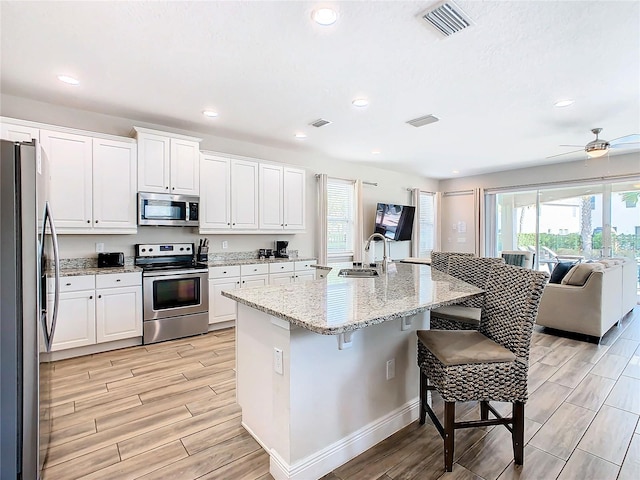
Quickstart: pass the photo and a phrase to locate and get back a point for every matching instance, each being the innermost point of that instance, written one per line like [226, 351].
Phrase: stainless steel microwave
[166, 209]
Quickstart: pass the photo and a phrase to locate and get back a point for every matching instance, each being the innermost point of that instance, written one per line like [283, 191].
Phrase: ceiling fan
[599, 146]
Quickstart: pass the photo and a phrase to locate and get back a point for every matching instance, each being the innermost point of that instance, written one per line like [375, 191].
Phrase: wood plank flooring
[168, 411]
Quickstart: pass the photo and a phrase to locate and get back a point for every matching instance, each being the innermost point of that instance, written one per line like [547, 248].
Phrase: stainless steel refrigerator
[29, 265]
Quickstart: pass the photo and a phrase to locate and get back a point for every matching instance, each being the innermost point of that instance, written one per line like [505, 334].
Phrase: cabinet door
[185, 167]
[215, 205]
[118, 313]
[294, 199]
[254, 281]
[271, 197]
[305, 276]
[114, 186]
[70, 165]
[18, 133]
[153, 163]
[76, 324]
[244, 195]
[281, 278]
[221, 308]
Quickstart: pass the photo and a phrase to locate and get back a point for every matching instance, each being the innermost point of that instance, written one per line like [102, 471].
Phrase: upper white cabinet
[229, 198]
[18, 133]
[168, 163]
[92, 182]
[282, 191]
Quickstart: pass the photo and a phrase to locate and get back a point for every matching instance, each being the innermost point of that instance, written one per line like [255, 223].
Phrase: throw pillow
[579, 273]
[560, 270]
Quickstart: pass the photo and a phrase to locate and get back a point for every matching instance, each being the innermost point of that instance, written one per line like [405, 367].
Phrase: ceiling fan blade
[566, 153]
[624, 145]
[633, 138]
[571, 145]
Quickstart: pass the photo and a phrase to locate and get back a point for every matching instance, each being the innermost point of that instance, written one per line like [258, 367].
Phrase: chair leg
[449, 434]
[423, 397]
[484, 410]
[518, 433]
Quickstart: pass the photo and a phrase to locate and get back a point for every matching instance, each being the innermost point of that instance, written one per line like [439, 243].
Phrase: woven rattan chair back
[440, 260]
[512, 297]
[473, 270]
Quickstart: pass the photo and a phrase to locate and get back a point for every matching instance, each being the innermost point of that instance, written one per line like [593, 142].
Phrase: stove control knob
[188, 248]
[144, 250]
[151, 249]
[181, 249]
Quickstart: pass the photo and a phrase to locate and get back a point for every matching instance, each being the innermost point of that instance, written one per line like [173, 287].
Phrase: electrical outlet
[277, 361]
[100, 247]
[225, 245]
[391, 368]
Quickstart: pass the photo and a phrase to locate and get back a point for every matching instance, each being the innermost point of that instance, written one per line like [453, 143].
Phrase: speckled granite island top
[336, 305]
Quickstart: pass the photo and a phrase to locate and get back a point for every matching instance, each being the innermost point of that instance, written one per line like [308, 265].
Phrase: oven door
[172, 294]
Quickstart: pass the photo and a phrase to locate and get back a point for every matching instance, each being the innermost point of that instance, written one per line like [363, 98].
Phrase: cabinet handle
[234, 223]
[282, 224]
[166, 188]
[68, 284]
[90, 297]
[237, 283]
[255, 269]
[242, 281]
[99, 296]
[224, 272]
[230, 224]
[96, 221]
[173, 188]
[286, 224]
[88, 221]
[117, 279]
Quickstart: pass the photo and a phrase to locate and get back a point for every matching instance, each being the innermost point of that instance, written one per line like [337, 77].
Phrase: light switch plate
[100, 247]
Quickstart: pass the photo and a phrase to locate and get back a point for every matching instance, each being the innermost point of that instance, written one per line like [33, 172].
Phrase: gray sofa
[591, 298]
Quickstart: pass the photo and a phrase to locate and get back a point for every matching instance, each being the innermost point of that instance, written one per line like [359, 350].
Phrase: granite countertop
[250, 261]
[336, 305]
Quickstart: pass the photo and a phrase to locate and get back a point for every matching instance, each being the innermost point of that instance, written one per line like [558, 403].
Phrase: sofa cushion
[560, 270]
[579, 273]
[610, 262]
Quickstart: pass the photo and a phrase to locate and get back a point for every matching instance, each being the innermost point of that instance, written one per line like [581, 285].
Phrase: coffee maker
[281, 249]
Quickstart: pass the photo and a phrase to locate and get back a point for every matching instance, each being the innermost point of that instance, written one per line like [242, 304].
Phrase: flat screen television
[395, 222]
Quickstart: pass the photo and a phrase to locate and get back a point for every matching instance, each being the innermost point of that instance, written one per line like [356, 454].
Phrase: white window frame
[347, 253]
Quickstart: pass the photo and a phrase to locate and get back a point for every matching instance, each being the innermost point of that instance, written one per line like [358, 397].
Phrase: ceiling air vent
[422, 121]
[321, 122]
[447, 18]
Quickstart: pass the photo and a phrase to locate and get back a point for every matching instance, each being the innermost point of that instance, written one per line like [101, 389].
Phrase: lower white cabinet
[118, 313]
[97, 308]
[222, 309]
[76, 324]
[281, 278]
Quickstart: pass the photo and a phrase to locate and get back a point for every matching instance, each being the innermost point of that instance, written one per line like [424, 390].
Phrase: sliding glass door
[575, 222]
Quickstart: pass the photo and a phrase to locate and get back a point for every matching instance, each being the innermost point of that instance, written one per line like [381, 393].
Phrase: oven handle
[175, 273]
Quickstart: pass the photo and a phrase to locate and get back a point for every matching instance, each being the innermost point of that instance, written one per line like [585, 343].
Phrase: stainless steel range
[174, 290]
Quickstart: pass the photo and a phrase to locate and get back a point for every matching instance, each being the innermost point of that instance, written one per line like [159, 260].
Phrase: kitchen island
[326, 369]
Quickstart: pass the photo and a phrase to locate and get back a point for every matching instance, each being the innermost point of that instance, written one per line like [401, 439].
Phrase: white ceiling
[269, 71]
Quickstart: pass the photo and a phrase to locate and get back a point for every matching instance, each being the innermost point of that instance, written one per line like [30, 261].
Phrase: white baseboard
[340, 452]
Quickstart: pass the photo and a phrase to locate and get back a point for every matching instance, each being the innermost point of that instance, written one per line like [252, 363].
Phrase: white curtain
[322, 219]
[358, 240]
[415, 242]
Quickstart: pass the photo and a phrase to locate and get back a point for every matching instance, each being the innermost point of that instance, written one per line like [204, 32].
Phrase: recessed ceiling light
[301, 135]
[360, 102]
[68, 79]
[455, 171]
[210, 113]
[375, 152]
[325, 16]
[563, 103]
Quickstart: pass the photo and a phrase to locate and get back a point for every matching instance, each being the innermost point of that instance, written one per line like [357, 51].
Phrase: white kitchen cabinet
[222, 309]
[92, 181]
[254, 281]
[305, 276]
[282, 200]
[118, 306]
[18, 133]
[114, 185]
[281, 278]
[71, 172]
[229, 199]
[168, 163]
[244, 195]
[75, 325]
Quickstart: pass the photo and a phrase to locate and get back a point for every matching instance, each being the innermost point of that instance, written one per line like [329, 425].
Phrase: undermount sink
[358, 272]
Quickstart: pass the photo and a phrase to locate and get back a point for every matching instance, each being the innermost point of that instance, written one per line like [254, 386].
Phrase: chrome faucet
[385, 259]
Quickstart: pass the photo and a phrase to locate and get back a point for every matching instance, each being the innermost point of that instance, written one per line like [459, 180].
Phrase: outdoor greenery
[572, 242]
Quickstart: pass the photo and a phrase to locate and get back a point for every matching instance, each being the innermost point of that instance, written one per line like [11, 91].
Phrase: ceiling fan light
[597, 152]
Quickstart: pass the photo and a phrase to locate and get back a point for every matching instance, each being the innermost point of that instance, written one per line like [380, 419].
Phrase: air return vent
[447, 18]
[321, 122]
[422, 121]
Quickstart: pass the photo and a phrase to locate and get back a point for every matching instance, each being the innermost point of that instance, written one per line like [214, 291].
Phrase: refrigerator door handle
[56, 261]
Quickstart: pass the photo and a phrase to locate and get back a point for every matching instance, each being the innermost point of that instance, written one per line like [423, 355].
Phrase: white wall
[392, 186]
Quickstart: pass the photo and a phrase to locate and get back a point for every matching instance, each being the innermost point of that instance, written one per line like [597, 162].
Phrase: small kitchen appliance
[175, 293]
[281, 249]
[110, 259]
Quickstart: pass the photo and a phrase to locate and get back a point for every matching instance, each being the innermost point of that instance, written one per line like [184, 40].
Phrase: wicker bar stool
[486, 365]
[440, 260]
[464, 315]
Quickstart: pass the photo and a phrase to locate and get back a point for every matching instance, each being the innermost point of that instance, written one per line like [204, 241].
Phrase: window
[426, 221]
[340, 217]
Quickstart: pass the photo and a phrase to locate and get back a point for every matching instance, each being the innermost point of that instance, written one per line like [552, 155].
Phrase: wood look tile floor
[168, 411]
